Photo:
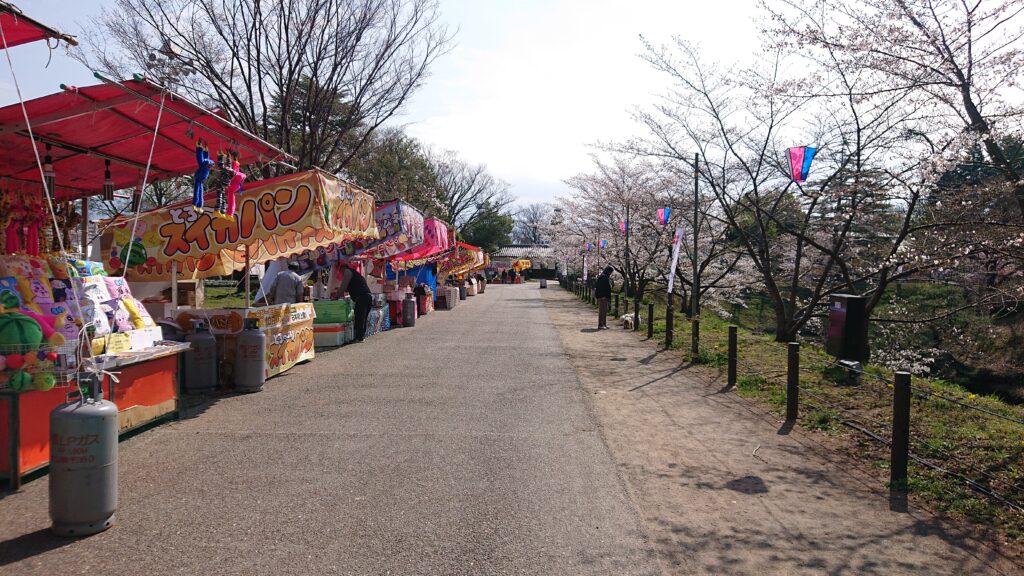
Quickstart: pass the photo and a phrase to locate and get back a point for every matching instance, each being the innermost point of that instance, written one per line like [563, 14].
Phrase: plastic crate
[332, 335]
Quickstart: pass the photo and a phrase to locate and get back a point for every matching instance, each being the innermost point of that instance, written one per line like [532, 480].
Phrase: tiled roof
[517, 251]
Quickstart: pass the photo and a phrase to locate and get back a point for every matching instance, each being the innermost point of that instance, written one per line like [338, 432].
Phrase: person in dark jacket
[354, 283]
[603, 293]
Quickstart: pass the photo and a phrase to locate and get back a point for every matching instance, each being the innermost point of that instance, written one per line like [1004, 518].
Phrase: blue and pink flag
[623, 225]
[604, 243]
[663, 214]
[800, 159]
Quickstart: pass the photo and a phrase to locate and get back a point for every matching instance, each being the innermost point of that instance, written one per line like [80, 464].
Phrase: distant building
[541, 256]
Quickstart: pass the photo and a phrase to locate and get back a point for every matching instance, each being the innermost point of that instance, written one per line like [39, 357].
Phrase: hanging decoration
[623, 226]
[677, 240]
[800, 159]
[663, 215]
[203, 164]
[604, 243]
[235, 185]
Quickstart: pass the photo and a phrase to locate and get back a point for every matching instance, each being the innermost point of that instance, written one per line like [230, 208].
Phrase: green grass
[984, 448]
[218, 297]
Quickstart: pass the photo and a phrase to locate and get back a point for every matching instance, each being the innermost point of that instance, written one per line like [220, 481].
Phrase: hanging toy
[12, 235]
[235, 186]
[203, 164]
[33, 222]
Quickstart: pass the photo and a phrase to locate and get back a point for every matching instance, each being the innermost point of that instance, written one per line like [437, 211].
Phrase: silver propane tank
[409, 311]
[200, 360]
[251, 358]
[83, 462]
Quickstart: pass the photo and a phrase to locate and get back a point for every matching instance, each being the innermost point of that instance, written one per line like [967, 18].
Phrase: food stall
[401, 229]
[420, 262]
[303, 215]
[46, 340]
[65, 317]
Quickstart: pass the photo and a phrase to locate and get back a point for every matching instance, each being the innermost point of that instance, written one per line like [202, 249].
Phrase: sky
[528, 88]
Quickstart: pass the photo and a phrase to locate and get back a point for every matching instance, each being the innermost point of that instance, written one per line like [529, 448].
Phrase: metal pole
[85, 229]
[174, 287]
[733, 353]
[900, 451]
[248, 275]
[793, 382]
[695, 305]
[650, 319]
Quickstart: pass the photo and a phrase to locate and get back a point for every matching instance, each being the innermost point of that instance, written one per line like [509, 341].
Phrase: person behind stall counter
[354, 283]
[288, 286]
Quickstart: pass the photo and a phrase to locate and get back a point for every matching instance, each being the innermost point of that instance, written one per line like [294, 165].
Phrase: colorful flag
[604, 243]
[663, 215]
[800, 162]
[623, 225]
[677, 240]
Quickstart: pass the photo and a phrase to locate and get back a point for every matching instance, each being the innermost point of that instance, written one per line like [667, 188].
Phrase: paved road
[462, 446]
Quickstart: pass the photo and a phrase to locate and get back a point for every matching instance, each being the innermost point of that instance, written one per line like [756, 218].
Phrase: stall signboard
[400, 228]
[463, 259]
[288, 328]
[436, 239]
[277, 218]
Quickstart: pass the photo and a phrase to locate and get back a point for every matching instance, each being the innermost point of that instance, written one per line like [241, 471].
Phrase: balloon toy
[235, 186]
[203, 164]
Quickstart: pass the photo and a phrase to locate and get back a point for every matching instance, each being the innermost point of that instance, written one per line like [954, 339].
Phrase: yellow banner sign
[275, 218]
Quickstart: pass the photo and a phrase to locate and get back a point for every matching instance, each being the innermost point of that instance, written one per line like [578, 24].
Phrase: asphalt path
[465, 445]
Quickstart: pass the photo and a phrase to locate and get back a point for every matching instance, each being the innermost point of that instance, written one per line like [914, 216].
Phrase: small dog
[627, 321]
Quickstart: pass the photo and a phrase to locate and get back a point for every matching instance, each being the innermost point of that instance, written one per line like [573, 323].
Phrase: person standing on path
[288, 286]
[354, 283]
[603, 293]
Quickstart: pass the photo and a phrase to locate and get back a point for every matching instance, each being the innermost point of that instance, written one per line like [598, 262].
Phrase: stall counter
[147, 391]
[288, 328]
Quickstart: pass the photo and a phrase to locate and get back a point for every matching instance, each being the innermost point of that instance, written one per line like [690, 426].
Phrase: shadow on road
[29, 545]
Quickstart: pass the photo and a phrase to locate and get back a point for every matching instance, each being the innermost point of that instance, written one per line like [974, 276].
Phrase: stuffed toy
[92, 288]
[33, 221]
[87, 268]
[48, 324]
[70, 329]
[10, 297]
[120, 320]
[12, 234]
[137, 312]
[117, 287]
[203, 164]
[59, 287]
[61, 268]
[20, 338]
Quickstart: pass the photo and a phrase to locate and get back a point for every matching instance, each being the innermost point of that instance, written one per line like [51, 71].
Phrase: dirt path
[722, 490]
